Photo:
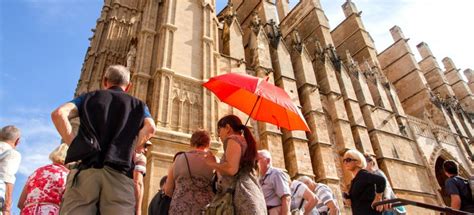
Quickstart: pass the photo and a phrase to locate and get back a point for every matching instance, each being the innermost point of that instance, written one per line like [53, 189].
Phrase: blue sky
[43, 43]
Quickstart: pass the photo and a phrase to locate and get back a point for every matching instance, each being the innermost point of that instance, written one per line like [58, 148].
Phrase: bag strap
[301, 204]
[302, 199]
[296, 190]
[189, 169]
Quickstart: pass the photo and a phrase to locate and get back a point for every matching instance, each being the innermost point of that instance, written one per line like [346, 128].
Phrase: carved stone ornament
[319, 51]
[331, 50]
[297, 43]
[131, 56]
[274, 33]
[255, 24]
[230, 14]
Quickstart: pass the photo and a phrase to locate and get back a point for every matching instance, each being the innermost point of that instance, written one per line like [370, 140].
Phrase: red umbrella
[259, 99]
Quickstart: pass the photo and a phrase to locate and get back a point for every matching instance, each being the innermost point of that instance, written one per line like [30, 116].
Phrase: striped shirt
[324, 195]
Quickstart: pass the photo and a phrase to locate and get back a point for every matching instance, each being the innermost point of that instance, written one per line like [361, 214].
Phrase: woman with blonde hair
[366, 188]
[44, 188]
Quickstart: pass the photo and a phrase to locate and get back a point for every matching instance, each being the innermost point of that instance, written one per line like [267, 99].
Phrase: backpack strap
[465, 200]
[302, 199]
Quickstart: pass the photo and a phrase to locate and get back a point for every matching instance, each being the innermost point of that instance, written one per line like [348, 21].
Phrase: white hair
[117, 75]
[266, 154]
[305, 179]
[9, 133]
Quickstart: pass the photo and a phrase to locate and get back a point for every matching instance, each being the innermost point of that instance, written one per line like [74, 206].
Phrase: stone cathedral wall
[411, 115]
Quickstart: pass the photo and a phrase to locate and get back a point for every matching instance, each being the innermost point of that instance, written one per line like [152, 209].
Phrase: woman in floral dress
[189, 178]
[44, 188]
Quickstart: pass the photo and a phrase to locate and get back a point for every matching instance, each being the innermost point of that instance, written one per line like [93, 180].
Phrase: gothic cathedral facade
[412, 115]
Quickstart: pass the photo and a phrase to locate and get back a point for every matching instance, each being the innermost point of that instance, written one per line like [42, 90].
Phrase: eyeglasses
[347, 160]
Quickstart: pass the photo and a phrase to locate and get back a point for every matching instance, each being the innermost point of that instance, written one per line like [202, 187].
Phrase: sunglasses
[347, 160]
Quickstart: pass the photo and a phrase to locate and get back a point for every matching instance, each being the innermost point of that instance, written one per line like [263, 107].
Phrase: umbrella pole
[254, 105]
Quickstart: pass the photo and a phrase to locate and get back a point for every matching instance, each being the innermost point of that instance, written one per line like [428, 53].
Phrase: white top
[9, 164]
[298, 189]
[274, 186]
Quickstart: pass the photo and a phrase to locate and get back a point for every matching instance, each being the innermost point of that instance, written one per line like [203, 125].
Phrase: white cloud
[52, 12]
[444, 26]
[39, 137]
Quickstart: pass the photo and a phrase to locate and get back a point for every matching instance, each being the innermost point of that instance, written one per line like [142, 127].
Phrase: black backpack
[467, 202]
[160, 204]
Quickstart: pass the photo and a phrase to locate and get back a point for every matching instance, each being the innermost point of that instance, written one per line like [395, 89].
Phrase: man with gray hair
[326, 200]
[9, 164]
[110, 121]
[275, 185]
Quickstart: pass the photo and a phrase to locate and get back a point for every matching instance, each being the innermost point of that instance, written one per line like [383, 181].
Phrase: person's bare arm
[455, 201]
[21, 201]
[138, 182]
[231, 165]
[146, 132]
[8, 198]
[378, 198]
[169, 185]
[333, 210]
[61, 119]
[285, 204]
[310, 201]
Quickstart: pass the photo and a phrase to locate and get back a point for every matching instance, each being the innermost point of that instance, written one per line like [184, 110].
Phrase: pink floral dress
[45, 188]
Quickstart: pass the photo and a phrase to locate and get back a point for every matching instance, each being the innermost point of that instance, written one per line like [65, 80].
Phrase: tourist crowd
[100, 170]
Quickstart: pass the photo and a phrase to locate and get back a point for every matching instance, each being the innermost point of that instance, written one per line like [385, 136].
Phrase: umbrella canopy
[259, 99]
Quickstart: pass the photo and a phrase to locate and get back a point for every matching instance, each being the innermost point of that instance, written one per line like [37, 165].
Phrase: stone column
[470, 78]
[259, 58]
[320, 146]
[297, 156]
[432, 72]
[461, 89]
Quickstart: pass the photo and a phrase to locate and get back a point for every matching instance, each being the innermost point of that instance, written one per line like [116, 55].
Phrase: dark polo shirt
[116, 118]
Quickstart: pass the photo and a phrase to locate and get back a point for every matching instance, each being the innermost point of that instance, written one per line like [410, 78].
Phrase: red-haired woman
[189, 179]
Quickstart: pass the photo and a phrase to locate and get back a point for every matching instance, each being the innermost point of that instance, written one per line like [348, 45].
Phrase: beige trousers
[98, 190]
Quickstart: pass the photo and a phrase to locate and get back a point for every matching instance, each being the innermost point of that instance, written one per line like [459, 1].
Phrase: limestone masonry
[411, 115]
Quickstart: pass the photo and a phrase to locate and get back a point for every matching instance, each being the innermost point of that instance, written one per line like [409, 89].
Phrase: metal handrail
[401, 202]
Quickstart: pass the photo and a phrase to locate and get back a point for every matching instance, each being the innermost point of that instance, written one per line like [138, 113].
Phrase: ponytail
[250, 155]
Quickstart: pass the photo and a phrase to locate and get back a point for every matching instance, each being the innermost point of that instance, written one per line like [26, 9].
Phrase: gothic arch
[443, 153]
[439, 155]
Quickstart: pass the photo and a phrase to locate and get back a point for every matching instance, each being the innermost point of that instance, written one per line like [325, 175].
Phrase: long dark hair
[250, 155]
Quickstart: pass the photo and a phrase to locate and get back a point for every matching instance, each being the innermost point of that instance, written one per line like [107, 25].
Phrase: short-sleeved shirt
[456, 186]
[80, 99]
[298, 189]
[324, 195]
[275, 184]
[9, 164]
